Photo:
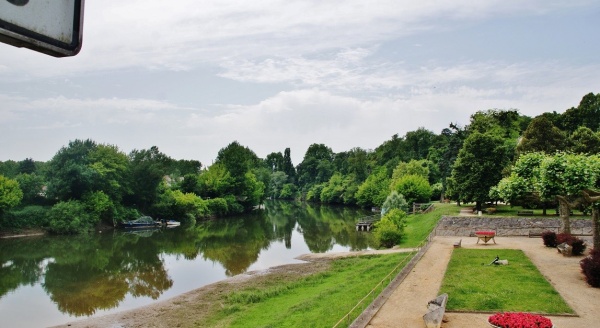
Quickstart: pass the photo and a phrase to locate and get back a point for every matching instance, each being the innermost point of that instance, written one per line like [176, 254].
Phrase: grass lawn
[473, 285]
[319, 300]
[420, 225]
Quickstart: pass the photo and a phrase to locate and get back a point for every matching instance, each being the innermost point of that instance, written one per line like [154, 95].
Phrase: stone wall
[466, 226]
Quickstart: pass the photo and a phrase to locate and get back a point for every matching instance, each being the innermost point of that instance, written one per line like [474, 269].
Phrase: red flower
[519, 320]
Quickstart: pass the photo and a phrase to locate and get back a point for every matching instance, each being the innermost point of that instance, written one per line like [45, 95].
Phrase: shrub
[590, 267]
[577, 244]
[390, 229]
[71, 217]
[33, 216]
[549, 238]
[414, 188]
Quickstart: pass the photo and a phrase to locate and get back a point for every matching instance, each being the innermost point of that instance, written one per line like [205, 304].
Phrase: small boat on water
[170, 223]
[142, 222]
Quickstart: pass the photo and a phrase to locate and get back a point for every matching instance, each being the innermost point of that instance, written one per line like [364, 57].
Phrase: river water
[50, 280]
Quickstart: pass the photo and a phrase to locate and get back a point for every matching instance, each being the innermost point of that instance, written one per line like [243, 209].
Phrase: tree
[565, 176]
[414, 167]
[288, 167]
[27, 166]
[478, 167]
[542, 135]
[10, 193]
[586, 114]
[374, 190]
[316, 167]
[394, 200]
[147, 169]
[414, 188]
[215, 182]
[278, 180]
[238, 160]
[70, 175]
[584, 141]
[31, 185]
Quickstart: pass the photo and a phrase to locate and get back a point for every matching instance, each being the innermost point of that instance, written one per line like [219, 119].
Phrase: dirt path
[407, 304]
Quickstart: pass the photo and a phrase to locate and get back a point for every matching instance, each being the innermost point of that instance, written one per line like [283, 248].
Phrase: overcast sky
[192, 76]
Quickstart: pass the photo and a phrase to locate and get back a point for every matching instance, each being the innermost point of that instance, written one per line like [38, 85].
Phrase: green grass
[473, 285]
[319, 300]
[418, 226]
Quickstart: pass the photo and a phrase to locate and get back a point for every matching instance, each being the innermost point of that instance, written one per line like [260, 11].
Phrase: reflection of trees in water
[235, 242]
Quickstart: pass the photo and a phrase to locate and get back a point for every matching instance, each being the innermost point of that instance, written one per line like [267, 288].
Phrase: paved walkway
[407, 304]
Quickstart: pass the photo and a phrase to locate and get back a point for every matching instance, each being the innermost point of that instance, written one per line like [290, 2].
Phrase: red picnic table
[485, 236]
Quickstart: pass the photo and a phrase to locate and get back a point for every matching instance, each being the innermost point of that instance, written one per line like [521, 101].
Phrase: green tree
[586, 114]
[478, 167]
[288, 167]
[147, 169]
[374, 190]
[414, 188]
[414, 167]
[238, 160]
[32, 187]
[542, 135]
[70, 175]
[27, 166]
[584, 141]
[316, 167]
[215, 182]
[278, 180]
[10, 194]
[394, 200]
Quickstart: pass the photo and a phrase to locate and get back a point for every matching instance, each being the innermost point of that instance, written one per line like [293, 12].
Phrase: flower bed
[519, 320]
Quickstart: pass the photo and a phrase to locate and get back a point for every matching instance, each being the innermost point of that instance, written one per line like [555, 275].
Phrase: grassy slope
[319, 300]
[519, 286]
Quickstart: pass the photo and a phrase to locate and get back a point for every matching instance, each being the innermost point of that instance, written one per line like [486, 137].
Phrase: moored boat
[142, 222]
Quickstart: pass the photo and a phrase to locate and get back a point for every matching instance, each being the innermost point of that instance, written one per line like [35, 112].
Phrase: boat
[170, 223]
[142, 222]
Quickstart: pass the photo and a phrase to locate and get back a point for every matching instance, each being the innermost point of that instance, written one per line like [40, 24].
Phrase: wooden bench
[435, 311]
[458, 244]
[535, 233]
[525, 213]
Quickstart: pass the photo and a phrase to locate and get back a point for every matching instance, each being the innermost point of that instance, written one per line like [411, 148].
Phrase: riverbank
[196, 307]
[406, 305]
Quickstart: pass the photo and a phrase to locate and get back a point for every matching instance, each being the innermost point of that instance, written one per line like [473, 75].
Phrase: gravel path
[407, 304]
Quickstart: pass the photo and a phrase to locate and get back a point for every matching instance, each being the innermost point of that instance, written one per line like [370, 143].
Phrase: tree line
[87, 183]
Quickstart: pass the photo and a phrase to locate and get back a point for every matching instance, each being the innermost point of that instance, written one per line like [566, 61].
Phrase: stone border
[504, 226]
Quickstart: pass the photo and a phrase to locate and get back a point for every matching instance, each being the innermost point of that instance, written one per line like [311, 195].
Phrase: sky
[190, 77]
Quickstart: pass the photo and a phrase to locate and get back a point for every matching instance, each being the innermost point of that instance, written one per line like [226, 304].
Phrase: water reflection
[84, 274]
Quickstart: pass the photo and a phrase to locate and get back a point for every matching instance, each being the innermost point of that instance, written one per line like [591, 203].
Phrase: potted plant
[519, 320]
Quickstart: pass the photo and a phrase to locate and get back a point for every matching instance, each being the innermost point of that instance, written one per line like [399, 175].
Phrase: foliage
[215, 181]
[590, 267]
[374, 190]
[10, 194]
[390, 229]
[71, 217]
[586, 114]
[316, 167]
[394, 200]
[414, 188]
[32, 186]
[549, 238]
[476, 286]
[584, 141]
[33, 216]
[217, 206]
[413, 167]
[278, 180]
[147, 169]
[288, 191]
[542, 136]
[478, 167]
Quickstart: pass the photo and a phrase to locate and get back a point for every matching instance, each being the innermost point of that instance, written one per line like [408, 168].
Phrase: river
[49, 280]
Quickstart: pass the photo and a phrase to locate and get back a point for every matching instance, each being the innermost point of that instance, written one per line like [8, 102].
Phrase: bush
[71, 217]
[34, 216]
[217, 206]
[549, 238]
[590, 267]
[414, 188]
[577, 244]
[390, 229]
